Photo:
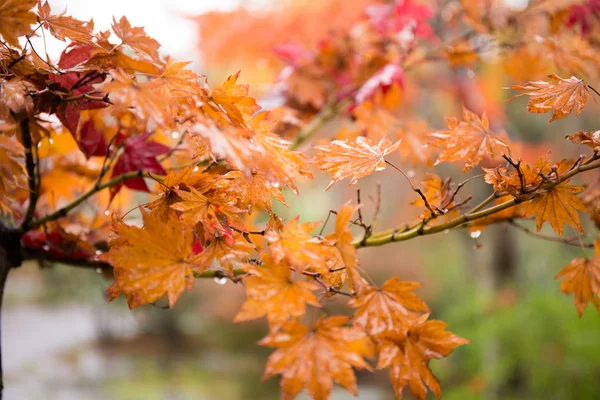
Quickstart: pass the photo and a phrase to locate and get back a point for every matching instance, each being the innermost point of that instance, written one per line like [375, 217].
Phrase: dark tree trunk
[10, 256]
[4, 268]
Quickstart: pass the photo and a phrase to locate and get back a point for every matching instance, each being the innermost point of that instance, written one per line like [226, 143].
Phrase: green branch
[398, 235]
[326, 115]
[62, 212]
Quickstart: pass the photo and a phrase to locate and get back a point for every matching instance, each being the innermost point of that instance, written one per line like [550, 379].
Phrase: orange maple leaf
[342, 239]
[385, 312]
[253, 189]
[62, 27]
[271, 291]
[282, 164]
[174, 181]
[408, 361]
[591, 139]
[511, 181]
[581, 277]
[559, 95]
[215, 215]
[230, 103]
[227, 251]
[16, 19]
[129, 94]
[438, 194]
[558, 205]
[136, 39]
[353, 159]
[152, 261]
[12, 172]
[295, 244]
[469, 140]
[315, 358]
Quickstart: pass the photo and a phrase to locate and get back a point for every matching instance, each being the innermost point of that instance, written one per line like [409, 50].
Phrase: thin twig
[573, 241]
[414, 188]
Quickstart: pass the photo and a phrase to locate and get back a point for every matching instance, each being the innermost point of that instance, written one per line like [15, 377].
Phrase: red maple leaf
[139, 154]
[91, 141]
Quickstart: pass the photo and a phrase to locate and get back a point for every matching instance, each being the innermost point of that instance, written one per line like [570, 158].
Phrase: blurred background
[496, 287]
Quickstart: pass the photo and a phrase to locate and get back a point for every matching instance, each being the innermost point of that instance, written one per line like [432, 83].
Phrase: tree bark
[10, 256]
[4, 268]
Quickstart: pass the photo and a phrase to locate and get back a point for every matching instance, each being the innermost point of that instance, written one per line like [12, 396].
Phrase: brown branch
[317, 277]
[95, 264]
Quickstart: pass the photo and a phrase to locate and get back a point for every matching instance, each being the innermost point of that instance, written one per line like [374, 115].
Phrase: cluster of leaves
[113, 115]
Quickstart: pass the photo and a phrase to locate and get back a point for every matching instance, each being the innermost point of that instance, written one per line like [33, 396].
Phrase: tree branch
[393, 235]
[62, 212]
[31, 174]
[317, 122]
[573, 241]
[32, 254]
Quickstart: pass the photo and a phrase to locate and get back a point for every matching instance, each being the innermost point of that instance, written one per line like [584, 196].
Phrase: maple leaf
[391, 75]
[62, 27]
[558, 205]
[127, 93]
[342, 239]
[136, 39]
[55, 241]
[175, 180]
[215, 215]
[295, 244]
[581, 277]
[591, 139]
[271, 291]
[438, 194]
[282, 164]
[414, 147]
[12, 172]
[559, 95]
[469, 140]
[233, 99]
[139, 154]
[152, 261]
[14, 94]
[511, 181]
[353, 159]
[384, 312]
[16, 19]
[227, 251]
[316, 358]
[408, 361]
[253, 189]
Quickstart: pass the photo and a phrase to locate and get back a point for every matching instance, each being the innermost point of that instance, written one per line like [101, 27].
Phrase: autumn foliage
[112, 116]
